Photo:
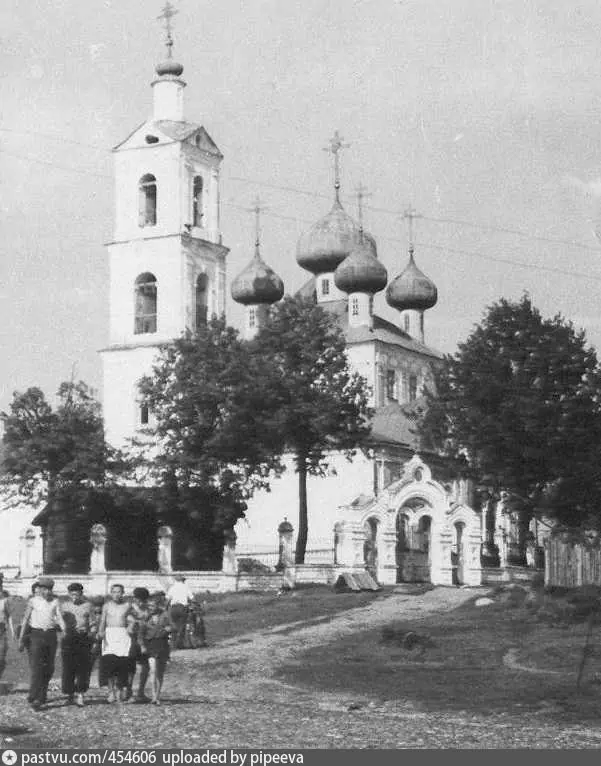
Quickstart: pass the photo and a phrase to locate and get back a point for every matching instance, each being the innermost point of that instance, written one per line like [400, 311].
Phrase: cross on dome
[257, 209]
[411, 214]
[167, 14]
[361, 193]
[334, 147]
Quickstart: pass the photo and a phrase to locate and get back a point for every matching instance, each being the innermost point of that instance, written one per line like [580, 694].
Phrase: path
[227, 696]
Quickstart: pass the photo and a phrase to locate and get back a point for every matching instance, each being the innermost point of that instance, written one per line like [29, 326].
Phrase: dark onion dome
[169, 67]
[361, 271]
[257, 283]
[411, 289]
[329, 241]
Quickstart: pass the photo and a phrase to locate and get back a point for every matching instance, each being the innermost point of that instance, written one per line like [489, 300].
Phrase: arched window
[325, 286]
[147, 200]
[197, 213]
[354, 306]
[145, 319]
[252, 317]
[144, 415]
[202, 297]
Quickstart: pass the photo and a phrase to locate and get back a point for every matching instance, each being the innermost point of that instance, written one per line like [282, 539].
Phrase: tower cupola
[257, 286]
[412, 292]
[168, 87]
[412, 289]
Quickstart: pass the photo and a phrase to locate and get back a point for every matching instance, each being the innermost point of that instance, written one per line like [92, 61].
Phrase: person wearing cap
[76, 645]
[43, 617]
[179, 597]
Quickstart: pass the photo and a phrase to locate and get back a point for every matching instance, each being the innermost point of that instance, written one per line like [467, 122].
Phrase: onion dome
[329, 241]
[411, 289]
[257, 283]
[361, 271]
[169, 67]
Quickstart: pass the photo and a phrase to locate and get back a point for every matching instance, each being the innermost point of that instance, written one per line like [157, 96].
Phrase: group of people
[130, 639]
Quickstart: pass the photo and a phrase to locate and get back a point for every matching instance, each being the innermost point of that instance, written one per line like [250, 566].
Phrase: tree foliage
[518, 406]
[319, 404]
[50, 452]
[208, 396]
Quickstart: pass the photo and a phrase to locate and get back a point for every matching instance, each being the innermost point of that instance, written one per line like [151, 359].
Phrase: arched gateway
[414, 531]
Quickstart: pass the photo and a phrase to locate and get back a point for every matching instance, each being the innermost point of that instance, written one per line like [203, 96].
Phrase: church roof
[176, 131]
[382, 330]
[396, 424]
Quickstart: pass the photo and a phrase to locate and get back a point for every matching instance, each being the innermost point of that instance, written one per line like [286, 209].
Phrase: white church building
[391, 511]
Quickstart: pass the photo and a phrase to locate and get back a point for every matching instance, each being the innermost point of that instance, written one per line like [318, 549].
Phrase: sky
[482, 114]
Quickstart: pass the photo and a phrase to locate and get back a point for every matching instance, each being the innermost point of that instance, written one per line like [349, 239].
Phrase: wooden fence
[572, 561]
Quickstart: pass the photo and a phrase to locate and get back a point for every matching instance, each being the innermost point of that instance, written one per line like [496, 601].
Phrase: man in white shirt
[178, 599]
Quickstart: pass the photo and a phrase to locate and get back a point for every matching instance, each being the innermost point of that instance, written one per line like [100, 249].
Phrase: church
[393, 510]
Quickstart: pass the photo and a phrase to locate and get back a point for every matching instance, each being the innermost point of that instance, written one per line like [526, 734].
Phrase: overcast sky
[482, 113]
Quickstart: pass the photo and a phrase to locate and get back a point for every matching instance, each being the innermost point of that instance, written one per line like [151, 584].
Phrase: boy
[138, 660]
[116, 624]
[43, 617]
[76, 645]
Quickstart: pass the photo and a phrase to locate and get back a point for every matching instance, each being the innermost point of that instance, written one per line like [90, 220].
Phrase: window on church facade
[355, 307]
[252, 317]
[197, 212]
[147, 204]
[406, 323]
[202, 298]
[325, 286]
[391, 385]
[144, 415]
[412, 388]
[145, 319]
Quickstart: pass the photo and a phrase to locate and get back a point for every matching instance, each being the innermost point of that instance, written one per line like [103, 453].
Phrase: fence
[323, 555]
[572, 560]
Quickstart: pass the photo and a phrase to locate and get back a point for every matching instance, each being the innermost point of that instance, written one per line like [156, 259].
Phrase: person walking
[43, 617]
[179, 597]
[6, 624]
[76, 645]
[138, 660]
[154, 643]
[116, 624]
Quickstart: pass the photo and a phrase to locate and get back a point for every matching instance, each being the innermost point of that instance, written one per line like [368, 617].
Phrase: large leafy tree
[318, 405]
[518, 407]
[209, 395]
[51, 453]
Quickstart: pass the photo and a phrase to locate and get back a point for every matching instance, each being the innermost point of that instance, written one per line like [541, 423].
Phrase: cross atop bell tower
[167, 14]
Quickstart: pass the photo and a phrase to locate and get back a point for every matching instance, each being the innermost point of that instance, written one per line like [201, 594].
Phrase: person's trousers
[43, 652]
[179, 617]
[3, 647]
[77, 664]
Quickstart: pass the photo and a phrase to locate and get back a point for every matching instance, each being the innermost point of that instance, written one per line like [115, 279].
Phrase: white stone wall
[258, 531]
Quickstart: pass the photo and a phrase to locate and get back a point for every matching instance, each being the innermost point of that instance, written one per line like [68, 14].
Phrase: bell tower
[166, 258]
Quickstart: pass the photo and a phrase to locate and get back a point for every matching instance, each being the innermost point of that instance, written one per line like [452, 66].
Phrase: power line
[316, 195]
[295, 219]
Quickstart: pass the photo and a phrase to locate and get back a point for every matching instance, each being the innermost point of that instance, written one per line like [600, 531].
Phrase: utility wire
[316, 195]
[482, 256]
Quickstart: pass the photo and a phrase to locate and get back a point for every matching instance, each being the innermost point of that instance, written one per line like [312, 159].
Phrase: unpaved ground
[227, 696]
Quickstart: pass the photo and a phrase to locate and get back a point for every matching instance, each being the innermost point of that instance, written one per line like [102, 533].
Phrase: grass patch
[455, 661]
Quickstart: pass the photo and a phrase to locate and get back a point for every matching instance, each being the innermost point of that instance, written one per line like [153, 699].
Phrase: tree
[318, 405]
[208, 396]
[518, 407]
[56, 453]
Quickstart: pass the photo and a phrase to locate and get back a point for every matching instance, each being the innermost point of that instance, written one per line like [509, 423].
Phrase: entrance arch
[415, 530]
